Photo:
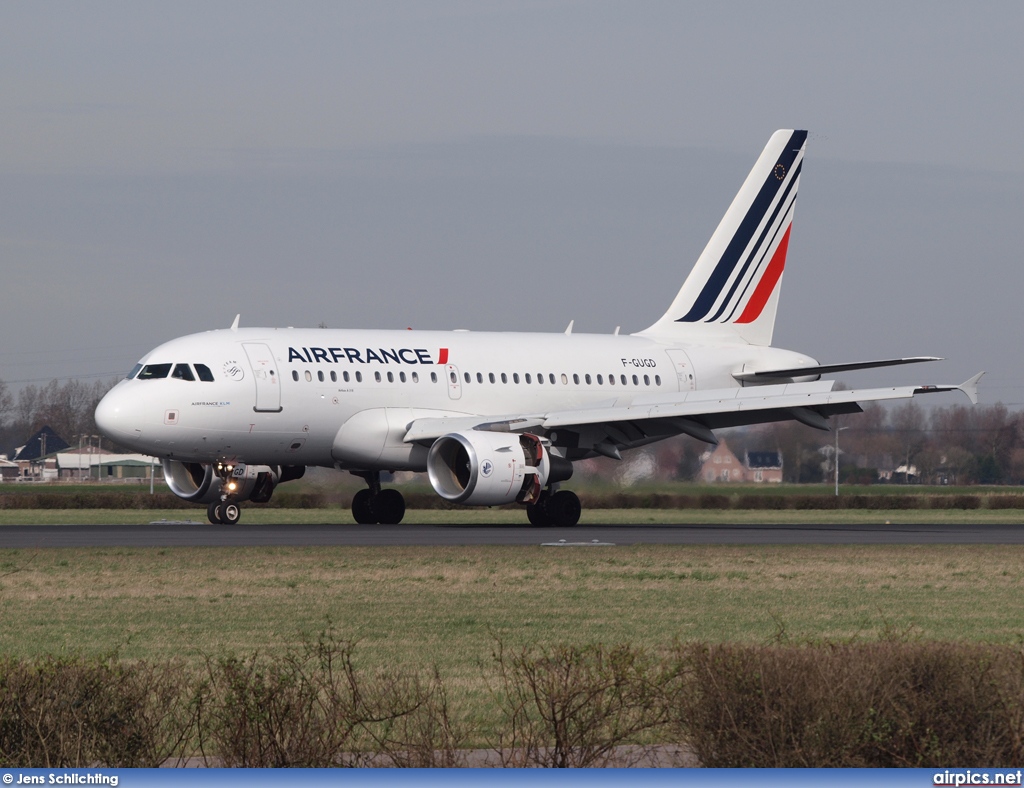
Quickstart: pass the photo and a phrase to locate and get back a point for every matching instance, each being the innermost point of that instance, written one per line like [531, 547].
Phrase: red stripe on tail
[766, 286]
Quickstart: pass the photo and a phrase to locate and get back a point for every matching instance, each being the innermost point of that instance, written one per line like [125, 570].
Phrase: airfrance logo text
[336, 355]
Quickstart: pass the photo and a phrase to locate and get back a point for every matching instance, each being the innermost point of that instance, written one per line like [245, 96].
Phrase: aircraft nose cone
[114, 418]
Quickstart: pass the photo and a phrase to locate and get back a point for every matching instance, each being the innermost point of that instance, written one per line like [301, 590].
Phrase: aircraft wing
[626, 423]
[827, 369]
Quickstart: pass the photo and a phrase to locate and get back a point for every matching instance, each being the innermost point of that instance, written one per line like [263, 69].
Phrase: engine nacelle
[200, 483]
[479, 468]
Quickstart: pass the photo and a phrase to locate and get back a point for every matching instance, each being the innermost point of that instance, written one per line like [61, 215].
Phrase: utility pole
[836, 457]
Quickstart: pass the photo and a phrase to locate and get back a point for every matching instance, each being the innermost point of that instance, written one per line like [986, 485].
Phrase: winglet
[234, 324]
[970, 388]
[569, 329]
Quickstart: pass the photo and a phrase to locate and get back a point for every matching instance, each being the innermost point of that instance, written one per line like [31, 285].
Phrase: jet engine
[479, 468]
[201, 482]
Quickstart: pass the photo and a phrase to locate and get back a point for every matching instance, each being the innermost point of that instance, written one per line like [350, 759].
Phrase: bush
[955, 502]
[572, 706]
[880, 705]
[313, 709]
[1006, 502]
[67, 712]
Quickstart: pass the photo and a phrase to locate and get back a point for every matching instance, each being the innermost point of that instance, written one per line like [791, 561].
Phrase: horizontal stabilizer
[827, 369]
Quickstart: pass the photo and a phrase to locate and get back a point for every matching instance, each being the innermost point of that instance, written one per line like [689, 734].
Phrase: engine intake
[199, 482]
[480, 468]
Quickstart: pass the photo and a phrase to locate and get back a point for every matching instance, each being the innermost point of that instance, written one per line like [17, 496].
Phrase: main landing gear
[374, 505]
[559, 508]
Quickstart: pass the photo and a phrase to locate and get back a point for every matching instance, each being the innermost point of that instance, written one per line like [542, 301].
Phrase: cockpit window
[183, 372]
[154, 371]
[204, 373]
[134, 372]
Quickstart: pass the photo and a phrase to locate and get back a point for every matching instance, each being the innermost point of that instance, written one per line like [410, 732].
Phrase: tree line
[66, 407]
[956, 444]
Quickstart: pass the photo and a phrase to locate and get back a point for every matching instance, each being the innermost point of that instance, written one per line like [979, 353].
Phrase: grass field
[420, 606]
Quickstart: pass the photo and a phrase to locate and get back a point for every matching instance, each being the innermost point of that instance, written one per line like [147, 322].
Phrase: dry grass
[418, 606]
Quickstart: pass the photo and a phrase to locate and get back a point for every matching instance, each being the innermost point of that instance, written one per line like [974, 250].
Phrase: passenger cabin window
[154, 371]
[295, 374]
[204, 373]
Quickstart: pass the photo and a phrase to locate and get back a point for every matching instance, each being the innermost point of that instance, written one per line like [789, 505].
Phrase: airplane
[492, 417]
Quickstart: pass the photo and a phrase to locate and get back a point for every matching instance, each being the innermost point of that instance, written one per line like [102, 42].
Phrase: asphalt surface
[166, 534]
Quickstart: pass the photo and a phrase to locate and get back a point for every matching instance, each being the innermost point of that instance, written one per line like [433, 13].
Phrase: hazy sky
[506, 165]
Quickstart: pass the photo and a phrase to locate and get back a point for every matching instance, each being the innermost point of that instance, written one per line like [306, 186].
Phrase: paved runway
[205, 535]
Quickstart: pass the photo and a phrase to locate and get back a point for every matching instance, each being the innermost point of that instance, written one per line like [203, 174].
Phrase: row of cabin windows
[176, 371]
[587, 379]
[491, 377]
[358, 376]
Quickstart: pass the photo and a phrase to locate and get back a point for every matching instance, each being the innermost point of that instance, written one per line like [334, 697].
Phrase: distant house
[37, 458]
[764, 466]
[104, 466]
[721, 465]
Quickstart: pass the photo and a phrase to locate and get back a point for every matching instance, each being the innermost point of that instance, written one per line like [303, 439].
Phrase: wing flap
[827, 369]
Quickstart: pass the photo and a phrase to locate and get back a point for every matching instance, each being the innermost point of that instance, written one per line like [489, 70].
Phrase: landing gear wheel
[563, 509]
[213, 513]
[388, 507]
[230, 513]
[537, 513]
[361, 509]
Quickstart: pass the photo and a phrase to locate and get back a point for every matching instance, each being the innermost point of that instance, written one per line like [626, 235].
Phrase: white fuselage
[340, 398]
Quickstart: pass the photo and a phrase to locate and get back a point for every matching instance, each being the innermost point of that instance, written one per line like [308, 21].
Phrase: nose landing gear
[374, 505]
[224, 512]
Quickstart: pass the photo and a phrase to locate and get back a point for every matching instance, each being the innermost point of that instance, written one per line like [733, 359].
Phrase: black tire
[362, 512]
[537, 514]
[230, 513]
[388, 507]
[564, 509]
[213, 513]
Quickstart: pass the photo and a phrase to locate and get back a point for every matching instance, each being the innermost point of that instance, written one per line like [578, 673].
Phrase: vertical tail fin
[733, 289]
